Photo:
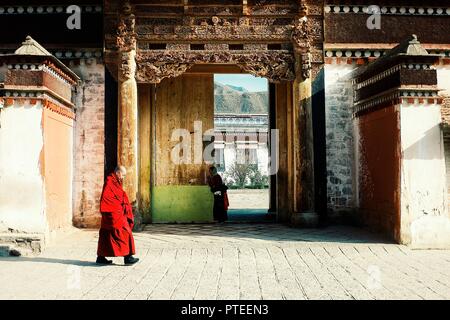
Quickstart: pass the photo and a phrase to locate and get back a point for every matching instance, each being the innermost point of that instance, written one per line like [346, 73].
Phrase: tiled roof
[32, 47]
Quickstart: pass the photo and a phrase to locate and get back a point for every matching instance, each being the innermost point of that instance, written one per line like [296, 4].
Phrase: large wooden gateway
[164, 54]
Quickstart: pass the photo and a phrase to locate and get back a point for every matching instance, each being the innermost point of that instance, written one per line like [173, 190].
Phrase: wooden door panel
[179, 191]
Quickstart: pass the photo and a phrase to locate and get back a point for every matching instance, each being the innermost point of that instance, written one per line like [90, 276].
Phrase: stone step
[20, 244]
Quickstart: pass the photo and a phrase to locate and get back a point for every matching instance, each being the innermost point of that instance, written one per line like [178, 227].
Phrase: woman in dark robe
[219, 191]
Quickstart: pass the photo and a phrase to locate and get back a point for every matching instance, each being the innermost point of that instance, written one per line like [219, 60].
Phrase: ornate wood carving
[153, 66]
[125, 34]
[126, 41]
[127, 66]
[301, 38]
[278, 30]
[225, 30]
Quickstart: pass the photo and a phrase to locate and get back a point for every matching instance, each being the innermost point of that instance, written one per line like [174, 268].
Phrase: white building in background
[243, 139]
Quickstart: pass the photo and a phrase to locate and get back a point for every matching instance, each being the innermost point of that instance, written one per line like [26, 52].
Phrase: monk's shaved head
[121, 169]
[121, 172]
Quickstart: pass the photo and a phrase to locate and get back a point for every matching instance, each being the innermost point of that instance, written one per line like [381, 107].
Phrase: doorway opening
[242, 146]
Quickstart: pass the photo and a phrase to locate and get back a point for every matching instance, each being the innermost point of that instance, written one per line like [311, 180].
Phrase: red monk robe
[115, 236]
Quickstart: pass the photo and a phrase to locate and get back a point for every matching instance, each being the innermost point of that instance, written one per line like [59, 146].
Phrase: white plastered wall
[443, 77]
[425, 221]
[22, 194]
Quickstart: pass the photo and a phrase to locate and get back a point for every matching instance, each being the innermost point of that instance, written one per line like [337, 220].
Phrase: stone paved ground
[248, 198]
[232, 261]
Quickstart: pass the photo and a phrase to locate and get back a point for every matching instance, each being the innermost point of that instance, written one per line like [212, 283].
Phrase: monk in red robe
[115, 235]
[219, 190]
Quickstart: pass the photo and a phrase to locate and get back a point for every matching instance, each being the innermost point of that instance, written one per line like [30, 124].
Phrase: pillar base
[305, 219]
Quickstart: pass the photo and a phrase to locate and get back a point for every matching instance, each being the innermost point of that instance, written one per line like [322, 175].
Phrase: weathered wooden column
[127, 147]
[302, 160]
[146, 94]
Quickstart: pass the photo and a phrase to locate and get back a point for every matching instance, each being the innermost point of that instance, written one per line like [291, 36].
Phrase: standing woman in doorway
[219, 191]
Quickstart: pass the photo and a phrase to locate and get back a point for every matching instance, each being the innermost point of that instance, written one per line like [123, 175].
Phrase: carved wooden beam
[296, 24]
[244, 7]
[153, 66]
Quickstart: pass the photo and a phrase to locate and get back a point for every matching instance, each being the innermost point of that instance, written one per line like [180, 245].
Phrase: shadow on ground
[264, 231]
[79, 263]
[250, 216]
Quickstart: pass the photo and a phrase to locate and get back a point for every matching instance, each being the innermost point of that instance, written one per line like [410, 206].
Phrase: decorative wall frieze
[363, 56]
[20, 92]
[216, 45]
[8, 93]
[386, 73]
[391, 97]
[47, 9]
[58, 108]
[354, 53]
[48, 67]
[31, 97]
[58, 75]
[78, 53]
[419, 93]
[389, 10]
[373, 53]
[157, 33]
[153, 66]
[403, 96]
[26, 66]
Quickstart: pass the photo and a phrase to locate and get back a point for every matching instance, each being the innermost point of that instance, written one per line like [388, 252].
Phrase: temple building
[359, 100]
[241, 139]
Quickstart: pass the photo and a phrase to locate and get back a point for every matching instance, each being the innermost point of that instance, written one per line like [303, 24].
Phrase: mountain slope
[233, 99]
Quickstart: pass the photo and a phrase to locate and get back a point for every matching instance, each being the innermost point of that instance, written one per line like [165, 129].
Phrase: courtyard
[231, 261]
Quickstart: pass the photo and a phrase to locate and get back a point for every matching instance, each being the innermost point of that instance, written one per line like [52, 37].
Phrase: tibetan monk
[115, 235]
[219, 190]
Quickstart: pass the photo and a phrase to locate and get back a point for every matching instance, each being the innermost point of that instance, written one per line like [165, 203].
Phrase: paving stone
[232, 261]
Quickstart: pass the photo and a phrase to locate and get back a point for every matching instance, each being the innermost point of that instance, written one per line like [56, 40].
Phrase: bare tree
[240, 172]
